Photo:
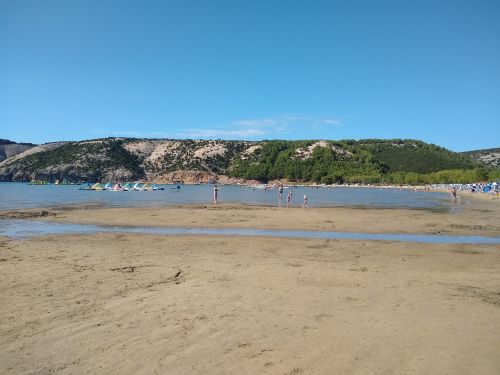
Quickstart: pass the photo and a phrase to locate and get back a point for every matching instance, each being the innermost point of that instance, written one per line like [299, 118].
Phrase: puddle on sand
[20, 229]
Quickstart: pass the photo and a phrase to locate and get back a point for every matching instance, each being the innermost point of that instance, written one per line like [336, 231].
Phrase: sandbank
[471, 217]
[139, 304]
[145, 304]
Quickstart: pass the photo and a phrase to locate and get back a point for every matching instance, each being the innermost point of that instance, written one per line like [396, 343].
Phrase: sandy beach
[474, 216]
[144, 304]
[249, 187]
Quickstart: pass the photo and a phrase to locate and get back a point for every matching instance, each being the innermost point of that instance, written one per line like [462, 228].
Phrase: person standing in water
[289, 197]
[305, 203]
[280, 194]
[454, 195]
[216, 194]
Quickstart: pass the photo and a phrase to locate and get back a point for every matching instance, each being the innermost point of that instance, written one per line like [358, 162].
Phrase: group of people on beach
[490, 188]
[305, 202]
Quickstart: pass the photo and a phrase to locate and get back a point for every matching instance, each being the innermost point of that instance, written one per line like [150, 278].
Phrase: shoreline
[274, 184]
[475, 218]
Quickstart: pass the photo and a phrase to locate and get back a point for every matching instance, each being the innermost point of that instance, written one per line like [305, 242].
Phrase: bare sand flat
[138, 304]
[476, 217]
[143, 304]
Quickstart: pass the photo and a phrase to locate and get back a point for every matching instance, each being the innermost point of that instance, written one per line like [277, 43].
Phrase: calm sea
[21, 195]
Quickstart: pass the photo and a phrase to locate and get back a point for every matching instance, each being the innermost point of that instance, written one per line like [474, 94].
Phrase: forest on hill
[395, 161]
[365, 161]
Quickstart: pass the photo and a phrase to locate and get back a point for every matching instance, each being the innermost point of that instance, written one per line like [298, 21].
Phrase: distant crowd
[492, 188]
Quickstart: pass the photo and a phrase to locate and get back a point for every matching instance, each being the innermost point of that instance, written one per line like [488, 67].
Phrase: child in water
[305, 203]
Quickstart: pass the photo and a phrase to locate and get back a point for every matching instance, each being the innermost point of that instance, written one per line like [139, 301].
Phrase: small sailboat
[38, 182]
[88, 187]
[97, 186]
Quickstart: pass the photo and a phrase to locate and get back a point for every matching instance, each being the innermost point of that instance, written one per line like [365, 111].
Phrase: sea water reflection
[21, 195]
[20, 229]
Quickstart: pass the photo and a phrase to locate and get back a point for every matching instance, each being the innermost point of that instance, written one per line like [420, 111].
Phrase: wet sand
[473, 217]
[143, 304]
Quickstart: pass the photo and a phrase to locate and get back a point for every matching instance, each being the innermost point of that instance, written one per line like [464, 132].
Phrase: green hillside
[347, 161]
[369, 161]
[415, 156]
[280, 160]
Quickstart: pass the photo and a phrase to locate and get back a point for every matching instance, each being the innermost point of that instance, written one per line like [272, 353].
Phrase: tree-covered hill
[318, 161]
[346, 161]
[415, 156]
[371, 161]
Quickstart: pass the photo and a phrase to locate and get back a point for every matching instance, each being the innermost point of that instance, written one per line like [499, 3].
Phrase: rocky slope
[9, 149]
[120, 159]
[198, 161]
[489, 157]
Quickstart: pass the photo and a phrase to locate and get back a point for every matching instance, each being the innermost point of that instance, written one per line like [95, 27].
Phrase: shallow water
[21, 229]
[21, 196]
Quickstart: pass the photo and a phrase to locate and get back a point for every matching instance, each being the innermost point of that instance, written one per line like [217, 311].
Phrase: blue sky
[430, 70]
